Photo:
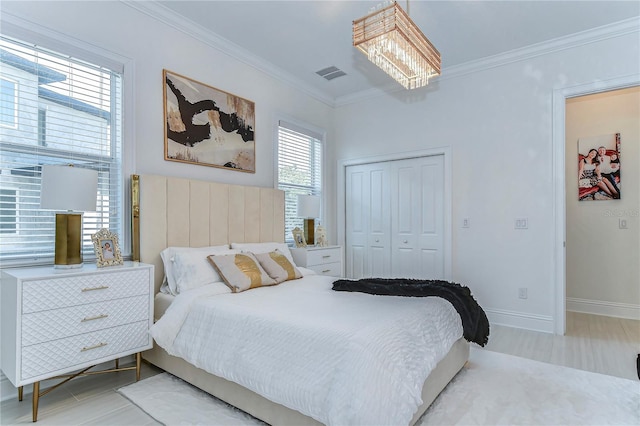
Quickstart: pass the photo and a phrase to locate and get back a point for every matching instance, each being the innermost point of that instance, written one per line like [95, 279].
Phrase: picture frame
[298, 237]
[207, 126]
[321, 237]
[599, 176]
[107, 249]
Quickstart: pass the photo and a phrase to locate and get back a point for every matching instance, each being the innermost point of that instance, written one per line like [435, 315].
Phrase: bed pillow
[278, 267]
[264, 248]
[241, 271]
[182, 263]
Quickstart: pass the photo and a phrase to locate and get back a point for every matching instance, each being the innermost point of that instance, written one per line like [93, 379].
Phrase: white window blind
[67, 111]
[299, 169]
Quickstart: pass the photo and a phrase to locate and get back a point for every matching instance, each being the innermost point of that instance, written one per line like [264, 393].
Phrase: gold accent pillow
[241, 271]
[278, 266]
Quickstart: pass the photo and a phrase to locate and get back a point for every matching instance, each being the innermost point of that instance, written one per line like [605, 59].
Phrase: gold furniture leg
[20, 389]
[36, 399]
[138, 363]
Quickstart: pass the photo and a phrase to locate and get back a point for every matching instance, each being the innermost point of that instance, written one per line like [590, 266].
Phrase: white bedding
[340, 358]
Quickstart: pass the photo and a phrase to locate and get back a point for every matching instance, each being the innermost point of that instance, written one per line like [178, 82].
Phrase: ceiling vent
[330, 73]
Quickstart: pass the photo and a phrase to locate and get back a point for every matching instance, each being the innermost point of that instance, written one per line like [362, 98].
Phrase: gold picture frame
[298, 237]
[207, 126]
[107, 249]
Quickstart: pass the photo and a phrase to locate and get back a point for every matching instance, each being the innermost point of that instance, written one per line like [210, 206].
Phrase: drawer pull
[88, 348]
[97, 317]
[326, 256]
[102, 287]
[326, 270]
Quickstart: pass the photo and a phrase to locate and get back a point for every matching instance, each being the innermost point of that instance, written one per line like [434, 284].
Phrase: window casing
[299, 169]
[68, 111]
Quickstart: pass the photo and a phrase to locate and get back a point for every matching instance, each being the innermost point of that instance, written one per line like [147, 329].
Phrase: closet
[394, 213]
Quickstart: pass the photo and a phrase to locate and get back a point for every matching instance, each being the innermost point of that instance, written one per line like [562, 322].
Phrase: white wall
[498, 123]
[603, 272]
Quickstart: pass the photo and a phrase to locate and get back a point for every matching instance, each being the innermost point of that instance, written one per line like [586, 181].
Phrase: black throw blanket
[475, 324]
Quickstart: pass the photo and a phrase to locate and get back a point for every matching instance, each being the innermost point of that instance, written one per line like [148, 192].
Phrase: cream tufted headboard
[170, 211]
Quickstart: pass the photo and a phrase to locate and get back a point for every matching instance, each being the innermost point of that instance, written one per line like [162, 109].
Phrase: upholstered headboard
[170, 211]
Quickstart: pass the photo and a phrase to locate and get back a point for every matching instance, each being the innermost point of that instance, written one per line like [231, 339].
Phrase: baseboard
[8, 391]
[520, 320]
[598, 307]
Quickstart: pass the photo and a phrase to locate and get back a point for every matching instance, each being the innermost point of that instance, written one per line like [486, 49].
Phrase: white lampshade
[308, 206]
[68, 188]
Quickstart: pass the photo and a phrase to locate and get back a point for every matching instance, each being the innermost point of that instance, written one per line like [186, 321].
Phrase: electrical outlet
[522, 293]
[466, 223]
[622, 223]
[522, 223]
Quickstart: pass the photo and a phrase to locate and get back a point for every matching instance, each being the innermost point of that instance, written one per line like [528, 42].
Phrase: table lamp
[309, 209]
[70, 190]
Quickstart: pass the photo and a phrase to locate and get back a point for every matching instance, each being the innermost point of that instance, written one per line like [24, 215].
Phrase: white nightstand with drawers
[322, 260]
[58, 321]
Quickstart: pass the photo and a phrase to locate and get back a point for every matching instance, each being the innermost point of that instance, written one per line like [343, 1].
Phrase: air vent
[330, 73]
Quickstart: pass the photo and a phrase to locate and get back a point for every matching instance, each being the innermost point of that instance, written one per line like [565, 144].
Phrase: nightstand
[58, 321]
[322, 260]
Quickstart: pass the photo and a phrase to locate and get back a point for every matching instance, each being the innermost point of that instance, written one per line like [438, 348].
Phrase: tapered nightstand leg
[138, 362]
[36, 398]
[20, 389]
[117, 363]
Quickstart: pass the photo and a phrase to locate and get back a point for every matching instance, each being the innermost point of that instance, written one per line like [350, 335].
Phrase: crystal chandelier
[394, 43]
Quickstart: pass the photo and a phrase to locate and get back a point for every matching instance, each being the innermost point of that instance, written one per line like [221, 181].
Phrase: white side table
[59, 321]
[322, 260]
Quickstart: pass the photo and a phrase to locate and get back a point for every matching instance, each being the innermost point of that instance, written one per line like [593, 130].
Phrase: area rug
[492, 389]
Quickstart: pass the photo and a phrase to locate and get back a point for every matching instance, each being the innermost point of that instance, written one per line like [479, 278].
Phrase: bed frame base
[276, 414]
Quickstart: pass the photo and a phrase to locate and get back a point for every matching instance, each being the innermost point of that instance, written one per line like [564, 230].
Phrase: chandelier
[396, 45]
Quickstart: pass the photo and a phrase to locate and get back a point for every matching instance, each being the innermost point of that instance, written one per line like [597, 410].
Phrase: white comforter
[341, 358]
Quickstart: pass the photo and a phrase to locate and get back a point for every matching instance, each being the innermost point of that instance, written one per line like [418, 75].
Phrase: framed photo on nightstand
[107, 249]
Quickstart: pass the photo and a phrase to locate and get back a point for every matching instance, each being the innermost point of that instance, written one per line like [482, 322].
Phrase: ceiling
[294, 39]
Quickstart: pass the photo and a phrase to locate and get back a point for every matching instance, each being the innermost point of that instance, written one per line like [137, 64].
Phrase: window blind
[55, 109]
[299, 169]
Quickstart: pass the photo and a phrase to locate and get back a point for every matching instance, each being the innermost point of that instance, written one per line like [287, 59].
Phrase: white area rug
[492, 389]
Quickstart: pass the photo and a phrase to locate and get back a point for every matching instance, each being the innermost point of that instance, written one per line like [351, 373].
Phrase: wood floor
[594, 343]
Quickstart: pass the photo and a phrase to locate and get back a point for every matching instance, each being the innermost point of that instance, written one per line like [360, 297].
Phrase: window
[8, 201]
[67, 111]
[299, 169]
[8, 102]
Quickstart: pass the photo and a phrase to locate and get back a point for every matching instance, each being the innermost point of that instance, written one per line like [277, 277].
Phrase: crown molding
[616, 29]
[170, 18]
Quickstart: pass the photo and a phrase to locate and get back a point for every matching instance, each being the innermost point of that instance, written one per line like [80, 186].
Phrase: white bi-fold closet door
[395, 219]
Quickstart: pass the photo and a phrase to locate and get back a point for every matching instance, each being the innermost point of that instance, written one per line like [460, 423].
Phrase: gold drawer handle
[326, 270]
[102, 287]
[326, 256]
[88, 348]
[85, 319]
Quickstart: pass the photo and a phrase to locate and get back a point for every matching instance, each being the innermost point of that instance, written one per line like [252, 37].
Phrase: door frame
[445, 151]
[560, 97]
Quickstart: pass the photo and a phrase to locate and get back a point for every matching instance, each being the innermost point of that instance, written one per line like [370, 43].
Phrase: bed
[176, 212]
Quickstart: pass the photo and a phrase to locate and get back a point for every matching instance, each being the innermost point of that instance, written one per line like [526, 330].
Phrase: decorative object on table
[72, 190]
[105, 244]
[321, 237]
[207, 126]
[298, 237]
[309, 209]
[390, 39]
[599, 168]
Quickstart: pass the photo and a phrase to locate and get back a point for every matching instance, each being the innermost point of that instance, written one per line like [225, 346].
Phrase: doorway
[560, 97]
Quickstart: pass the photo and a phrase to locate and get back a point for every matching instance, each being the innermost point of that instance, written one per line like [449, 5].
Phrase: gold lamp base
[309, 227]
[68, 253]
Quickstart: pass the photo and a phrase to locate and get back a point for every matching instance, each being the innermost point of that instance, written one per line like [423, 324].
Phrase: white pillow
[187, 267]
[258, 248]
